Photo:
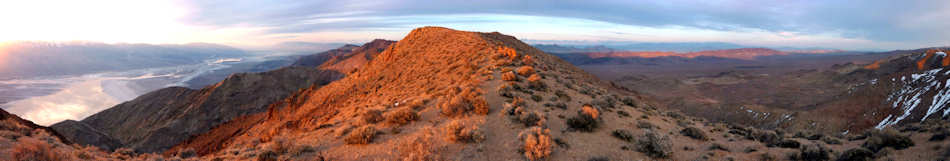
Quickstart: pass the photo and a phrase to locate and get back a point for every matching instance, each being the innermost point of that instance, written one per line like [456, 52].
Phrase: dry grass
[536, 143]
[525, 70]
[459, 131]
[509, 76]
[401, 116]
[362, 135]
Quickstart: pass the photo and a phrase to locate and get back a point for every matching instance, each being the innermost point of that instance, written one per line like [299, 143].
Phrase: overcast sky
[861, 25]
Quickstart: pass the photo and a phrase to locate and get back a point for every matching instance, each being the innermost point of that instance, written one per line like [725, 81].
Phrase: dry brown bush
[401, 116]
[536, 143]
[525, 70]
[362, 135]
[459, 131]
[509, 76]
[30, 149]
[534, 82]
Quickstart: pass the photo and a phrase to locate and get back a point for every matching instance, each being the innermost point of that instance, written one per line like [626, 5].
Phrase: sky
[255, 24]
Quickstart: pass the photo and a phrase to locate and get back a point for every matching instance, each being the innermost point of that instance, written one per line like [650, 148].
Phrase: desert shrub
[654, 145]
[767, 157]
[509, 76]
[856, 154]
[531, 118]
[125, 151]
[401, 116]
[939, 136]
[299, 149]
[30, 149]
[536, 98]
[525, 70]
[830, 140]
[510, 53]
[562, 95]
[588, 110]
[372, 116]
[558, 105]
[586, 119]
[629, 102]
[536, 143]
[645, 125]
[459, 131]
[622, 134]
[418, 148]
[187, 153]
[461, 104]
[717, 146]
[880, 139]
[788, 143]
[814, 152]
[528, 60]
[770, 138]
[604, 102]
[535, 83]
[362, 135]
[694, 133]
[267, 155]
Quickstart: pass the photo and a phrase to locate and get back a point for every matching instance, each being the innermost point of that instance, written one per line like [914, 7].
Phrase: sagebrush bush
[187, 153]
[535, 83]
[528, 60]
[654, 145]
[401, 116]
[694, 133]
[622, 134]
[362, 135]
[467, 100]
[879, 139]
[525, 70]
[590, 111]
[586, 119]
[459, 131]
[536, 143]
[509, 76]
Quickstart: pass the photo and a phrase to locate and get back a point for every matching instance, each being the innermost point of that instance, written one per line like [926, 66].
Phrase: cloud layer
[906, 23]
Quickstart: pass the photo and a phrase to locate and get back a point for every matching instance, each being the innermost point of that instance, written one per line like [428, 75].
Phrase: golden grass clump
[401, 116]
[536, 143]
[362, 135]
[525, 70]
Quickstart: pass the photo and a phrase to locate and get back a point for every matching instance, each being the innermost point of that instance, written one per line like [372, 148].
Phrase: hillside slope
[157, 120]
[442, 94]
